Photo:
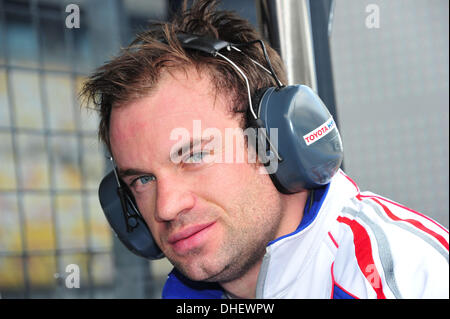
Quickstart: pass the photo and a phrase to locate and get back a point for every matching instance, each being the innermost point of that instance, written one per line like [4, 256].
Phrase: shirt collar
[312, 207]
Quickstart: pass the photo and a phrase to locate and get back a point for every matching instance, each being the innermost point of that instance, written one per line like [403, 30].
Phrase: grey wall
[392, 86]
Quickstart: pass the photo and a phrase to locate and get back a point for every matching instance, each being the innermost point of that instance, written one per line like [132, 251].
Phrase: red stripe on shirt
[333, 240]
[351, 181]
[359, 196]
[413, 222]
[363, 253]
[334, 283]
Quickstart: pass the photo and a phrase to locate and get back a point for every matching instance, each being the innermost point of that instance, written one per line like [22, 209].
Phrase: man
[222, 223]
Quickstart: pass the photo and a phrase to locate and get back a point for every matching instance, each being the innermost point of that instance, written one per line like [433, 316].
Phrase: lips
[189, 237]
[188, 232]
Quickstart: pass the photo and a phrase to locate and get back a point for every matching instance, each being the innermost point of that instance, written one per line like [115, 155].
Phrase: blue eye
[146, 179]
[195, 158]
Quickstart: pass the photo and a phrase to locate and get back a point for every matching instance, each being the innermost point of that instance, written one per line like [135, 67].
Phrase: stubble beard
[242, 247]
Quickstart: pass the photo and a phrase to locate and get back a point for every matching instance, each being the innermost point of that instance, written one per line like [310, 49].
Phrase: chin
[201, 268]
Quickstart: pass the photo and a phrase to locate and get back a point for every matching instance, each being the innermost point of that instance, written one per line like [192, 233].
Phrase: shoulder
[386, 250]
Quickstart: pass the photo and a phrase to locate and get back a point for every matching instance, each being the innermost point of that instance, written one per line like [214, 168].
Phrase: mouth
[189, 238]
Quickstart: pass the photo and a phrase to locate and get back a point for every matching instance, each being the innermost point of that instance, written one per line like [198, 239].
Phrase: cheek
[241, 192]
[233, 176]
[222, 182]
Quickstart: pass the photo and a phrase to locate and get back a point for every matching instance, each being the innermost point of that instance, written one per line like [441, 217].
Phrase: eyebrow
[131, 172]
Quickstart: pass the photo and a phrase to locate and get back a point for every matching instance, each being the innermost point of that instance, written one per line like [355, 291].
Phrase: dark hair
[137, 69]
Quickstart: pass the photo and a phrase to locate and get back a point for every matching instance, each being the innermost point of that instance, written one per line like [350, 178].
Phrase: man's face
[212, 219]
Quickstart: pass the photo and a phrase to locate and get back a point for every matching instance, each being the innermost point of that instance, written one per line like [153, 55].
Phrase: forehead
[179, 99]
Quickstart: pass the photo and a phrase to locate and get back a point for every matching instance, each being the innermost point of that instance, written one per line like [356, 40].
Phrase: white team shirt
[359, 245]
[350, 244]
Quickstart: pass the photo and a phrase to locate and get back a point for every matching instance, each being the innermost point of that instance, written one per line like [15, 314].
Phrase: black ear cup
[125, 219]
[309, 143]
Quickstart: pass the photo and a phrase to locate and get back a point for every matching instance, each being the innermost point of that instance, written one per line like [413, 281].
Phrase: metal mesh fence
[50, 158]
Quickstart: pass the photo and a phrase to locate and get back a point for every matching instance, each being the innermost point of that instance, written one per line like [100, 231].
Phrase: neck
[245, 286]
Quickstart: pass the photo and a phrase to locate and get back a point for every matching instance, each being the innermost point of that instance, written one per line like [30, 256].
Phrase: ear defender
[125, 219]
[299, 134]
[309, 144]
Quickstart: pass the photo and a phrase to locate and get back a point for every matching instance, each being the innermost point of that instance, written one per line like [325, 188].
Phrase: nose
[173, 197]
